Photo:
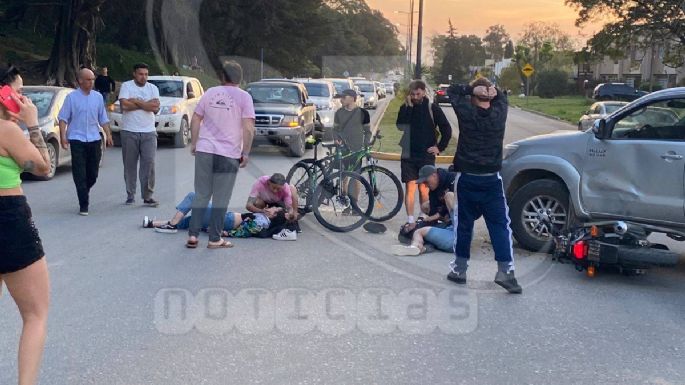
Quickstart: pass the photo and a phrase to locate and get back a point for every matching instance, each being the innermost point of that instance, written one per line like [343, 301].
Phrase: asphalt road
[130, 306]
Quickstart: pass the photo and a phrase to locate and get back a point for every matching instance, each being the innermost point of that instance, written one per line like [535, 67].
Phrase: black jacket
[419, 132]
[481, 131]
[436, 197]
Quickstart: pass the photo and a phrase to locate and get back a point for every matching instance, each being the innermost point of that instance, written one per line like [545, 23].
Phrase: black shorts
[410, 168]
[21, 245]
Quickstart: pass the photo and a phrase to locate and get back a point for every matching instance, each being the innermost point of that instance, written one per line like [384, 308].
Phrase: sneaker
[150, 202]
[428, 248]
[508, 281]
[406, 251]
[130, 201]
[147, 222]
[83, 213]
[285, 235]
[167, 228]
[458, 278]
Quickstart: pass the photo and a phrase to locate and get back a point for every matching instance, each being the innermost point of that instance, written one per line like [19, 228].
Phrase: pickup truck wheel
[534, 207]
[297, 146]
[182, 137]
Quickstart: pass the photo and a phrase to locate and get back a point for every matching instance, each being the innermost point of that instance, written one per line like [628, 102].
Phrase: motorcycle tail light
[580, 250]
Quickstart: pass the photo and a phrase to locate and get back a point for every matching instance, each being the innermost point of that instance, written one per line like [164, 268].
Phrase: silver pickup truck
[630, 166]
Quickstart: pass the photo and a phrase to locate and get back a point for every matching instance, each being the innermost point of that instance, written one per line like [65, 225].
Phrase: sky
[475, 16]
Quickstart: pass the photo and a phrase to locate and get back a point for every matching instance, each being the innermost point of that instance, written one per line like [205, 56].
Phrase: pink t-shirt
[261, 190]
[222, 109]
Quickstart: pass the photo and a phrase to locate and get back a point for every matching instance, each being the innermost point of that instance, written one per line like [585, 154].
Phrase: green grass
[392, 136]
[567, 108]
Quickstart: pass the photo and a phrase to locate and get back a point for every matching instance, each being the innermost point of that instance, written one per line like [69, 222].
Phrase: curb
[542, 114]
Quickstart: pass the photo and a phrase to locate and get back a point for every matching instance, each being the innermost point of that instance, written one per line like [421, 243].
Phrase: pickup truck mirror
[599, 127]
[191, 95]
[337, 96]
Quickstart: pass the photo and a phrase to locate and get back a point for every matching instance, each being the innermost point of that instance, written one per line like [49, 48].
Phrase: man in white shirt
[139, 103]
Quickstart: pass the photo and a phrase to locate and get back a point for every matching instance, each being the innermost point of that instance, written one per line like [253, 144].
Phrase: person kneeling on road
[440, 233]
[271, 195]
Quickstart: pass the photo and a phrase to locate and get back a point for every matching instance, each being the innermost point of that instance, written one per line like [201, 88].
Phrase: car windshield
[365, 87]
[274, 94]
[611, 108]
[317, 89]
[42, 100]
[169, 88]
[340, 86]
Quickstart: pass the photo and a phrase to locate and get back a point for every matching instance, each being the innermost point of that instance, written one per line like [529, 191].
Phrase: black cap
[349, 92]
[425, 172]
[277, 179]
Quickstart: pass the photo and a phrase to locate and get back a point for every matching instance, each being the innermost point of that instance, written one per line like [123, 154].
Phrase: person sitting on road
[440, 184]
[181, 220]
[271, 195]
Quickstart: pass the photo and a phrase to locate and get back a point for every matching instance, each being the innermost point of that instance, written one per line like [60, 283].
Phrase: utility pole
[411, 33]
[419, 42]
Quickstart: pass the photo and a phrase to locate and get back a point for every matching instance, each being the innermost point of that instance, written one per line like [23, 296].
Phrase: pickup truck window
[654, 122]
[274, 94]
[169, 88]
[317, 89]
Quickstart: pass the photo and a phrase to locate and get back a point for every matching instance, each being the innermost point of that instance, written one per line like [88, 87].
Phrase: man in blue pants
[482, 113]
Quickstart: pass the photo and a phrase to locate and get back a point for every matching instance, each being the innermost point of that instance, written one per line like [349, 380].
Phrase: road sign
[528, 70]
[449, 77]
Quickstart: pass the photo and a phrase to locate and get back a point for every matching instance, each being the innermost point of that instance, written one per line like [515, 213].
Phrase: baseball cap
[425, 172]
[277, 179]
[349, 92]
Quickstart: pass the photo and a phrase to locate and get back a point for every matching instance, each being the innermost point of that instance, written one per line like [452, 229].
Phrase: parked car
[323, 94]
[598, 110]
[370, 93]
[616, 91]
[380, 89]
[441, 94]
[178, 97]
[389, 88]
[283, 114]
[629, 167]
[346, 84]
[49, 101]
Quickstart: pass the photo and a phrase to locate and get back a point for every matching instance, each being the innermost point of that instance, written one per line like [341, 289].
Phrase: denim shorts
[21, 244]
[442, 239]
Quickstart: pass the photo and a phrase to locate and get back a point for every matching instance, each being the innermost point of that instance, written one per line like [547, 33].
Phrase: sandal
[191, 244]
[223, 245]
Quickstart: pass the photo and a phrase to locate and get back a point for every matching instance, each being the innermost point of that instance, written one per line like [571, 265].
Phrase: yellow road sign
[528, 70]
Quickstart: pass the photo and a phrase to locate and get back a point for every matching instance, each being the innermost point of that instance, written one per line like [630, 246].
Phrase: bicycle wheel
[342, 201]
[388, 195]
[305, 176]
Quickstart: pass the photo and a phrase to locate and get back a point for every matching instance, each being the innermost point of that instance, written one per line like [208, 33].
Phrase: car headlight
[372, 98]
[168, 110]
[509, 150]
[291, 121]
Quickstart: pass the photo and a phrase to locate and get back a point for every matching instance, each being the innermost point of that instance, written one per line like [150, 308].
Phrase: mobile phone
[6, 93]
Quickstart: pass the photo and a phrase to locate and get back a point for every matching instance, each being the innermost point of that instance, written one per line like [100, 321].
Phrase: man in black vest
[482, 113]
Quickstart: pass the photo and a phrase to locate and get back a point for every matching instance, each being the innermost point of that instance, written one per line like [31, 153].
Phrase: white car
[599, 110]
[389, 88]
[322, 93]
[178, 97]
[368, 89]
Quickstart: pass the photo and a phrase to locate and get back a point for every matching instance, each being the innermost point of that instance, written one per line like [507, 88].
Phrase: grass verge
[567, 108]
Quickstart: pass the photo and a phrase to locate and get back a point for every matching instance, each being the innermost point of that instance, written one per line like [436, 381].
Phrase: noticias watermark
[332, 311]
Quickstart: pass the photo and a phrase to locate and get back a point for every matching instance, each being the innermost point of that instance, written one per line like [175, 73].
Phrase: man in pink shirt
[270, 195]
[222, 132]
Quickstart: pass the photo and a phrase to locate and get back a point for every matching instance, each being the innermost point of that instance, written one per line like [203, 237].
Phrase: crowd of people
[222, 132]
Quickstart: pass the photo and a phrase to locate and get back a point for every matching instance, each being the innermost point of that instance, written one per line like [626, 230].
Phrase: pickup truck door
[639, 171]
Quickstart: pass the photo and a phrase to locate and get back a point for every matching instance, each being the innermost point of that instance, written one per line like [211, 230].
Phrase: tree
[496, 38]
[509, 50]
[552, 83]
[74, 42]
[454, 55]
[536, 34]
[510, 79]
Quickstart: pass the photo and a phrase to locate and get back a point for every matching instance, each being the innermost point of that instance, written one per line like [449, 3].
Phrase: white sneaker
[406, 251]
[285, 235]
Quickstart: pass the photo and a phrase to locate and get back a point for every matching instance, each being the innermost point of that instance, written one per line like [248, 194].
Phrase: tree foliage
[636, 23]
[495, 40]
[454, 55]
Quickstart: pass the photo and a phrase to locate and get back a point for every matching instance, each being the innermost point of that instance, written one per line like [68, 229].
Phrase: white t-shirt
[138, 120]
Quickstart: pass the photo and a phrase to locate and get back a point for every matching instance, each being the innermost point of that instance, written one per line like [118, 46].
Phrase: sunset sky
[475, 16]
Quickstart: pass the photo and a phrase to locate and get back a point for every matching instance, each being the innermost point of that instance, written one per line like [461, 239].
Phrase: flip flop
[191, 244]
[375, 227]
[223, 245]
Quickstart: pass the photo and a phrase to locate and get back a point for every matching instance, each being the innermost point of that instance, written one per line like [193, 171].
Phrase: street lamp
[419, 41]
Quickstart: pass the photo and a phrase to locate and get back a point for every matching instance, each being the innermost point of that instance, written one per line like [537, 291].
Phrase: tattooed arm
[36, 138]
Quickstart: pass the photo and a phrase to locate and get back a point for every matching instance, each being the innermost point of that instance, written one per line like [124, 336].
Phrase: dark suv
[616, 91]
[283, 115]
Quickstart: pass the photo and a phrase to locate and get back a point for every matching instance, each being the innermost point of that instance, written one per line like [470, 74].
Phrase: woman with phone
[22, 263]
